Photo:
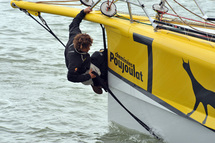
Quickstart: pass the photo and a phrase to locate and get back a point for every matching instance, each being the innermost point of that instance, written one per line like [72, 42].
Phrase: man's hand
[87, 10]
[91, 74]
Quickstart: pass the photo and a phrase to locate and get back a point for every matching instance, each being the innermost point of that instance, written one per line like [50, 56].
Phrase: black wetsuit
[77, 62]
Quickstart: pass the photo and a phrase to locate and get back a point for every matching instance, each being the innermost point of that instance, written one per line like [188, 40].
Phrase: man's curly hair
[83, 40]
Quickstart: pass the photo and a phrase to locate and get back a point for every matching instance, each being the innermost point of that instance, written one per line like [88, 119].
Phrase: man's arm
[77, 78]
[74, 28]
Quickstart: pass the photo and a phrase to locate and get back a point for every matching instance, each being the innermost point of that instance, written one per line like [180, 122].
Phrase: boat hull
[173, 128]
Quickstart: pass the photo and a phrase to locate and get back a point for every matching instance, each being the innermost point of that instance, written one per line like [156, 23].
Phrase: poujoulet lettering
[125, 65]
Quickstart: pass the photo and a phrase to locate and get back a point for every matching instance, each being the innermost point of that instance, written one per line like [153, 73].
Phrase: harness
[75, 50]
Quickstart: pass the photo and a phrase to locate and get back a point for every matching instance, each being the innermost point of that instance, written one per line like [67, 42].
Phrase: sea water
[37, 103]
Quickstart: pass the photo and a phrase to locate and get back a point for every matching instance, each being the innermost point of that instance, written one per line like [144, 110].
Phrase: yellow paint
[171, 82]
[34, 13]
[135, 61]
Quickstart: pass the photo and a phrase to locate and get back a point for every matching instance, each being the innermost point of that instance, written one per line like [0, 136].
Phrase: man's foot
[97, 89]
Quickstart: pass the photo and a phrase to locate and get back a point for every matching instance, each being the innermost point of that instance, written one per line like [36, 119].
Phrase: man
[77, 58]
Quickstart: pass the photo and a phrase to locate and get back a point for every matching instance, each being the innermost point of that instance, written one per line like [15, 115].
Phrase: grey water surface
[37, 103]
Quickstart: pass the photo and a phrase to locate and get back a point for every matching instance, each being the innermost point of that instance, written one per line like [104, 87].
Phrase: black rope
[209, 35]
[49, 29]
[46, 27]
[185, 33]
[104, 39]
[106, 88]
[105, 52]
[135, 117]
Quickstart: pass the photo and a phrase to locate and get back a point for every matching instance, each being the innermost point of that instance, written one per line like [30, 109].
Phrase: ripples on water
[37, 103]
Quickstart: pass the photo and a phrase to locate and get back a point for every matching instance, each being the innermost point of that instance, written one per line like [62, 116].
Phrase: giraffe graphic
[203, 95]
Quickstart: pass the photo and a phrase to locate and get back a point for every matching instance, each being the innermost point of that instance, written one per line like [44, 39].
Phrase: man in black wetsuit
[77, 59]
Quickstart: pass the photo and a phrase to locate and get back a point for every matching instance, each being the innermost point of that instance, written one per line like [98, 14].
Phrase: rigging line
[191, 19]
[188, 10]
[187, 23]
[106, 88]
[44, 22]
[57, 1]
[119, 102]
[176, 13]
[104, 38]
[185, 33]
[62, 4]
[48, 28]
[183, 28]
[125, 18]
[192, 12]
[105, 51]
[199, 7]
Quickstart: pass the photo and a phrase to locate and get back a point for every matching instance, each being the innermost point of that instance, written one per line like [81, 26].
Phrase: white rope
[60, 2]
[199, 7]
